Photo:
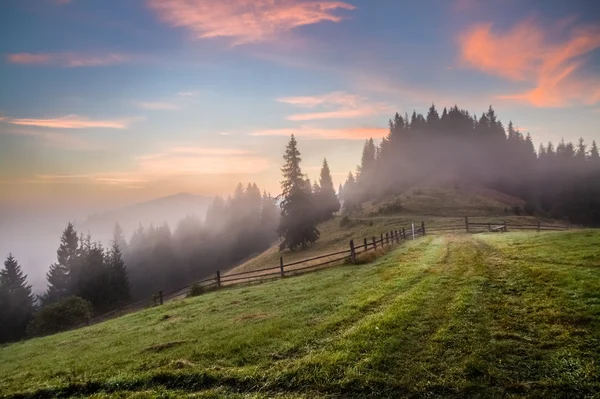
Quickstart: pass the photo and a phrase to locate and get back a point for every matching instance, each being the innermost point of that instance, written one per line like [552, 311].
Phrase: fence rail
[385, 239]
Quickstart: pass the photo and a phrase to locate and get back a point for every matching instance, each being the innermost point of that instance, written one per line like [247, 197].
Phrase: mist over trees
[560, 182]
[234, 229]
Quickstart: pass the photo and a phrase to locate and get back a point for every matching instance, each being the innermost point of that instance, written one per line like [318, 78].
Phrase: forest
[561, 181]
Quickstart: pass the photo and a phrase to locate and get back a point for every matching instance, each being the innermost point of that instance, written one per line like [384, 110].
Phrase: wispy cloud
[245, 21]
[525, 53]
[62, 141]
[337, 105]
[157, 105]
[354, 133]
[187, 93]
[69, 122]
[171, 163]
[70, 60]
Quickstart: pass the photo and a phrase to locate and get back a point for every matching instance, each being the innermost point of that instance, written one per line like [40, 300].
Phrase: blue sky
[109, 102]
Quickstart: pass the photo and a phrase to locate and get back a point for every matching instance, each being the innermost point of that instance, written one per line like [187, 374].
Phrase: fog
[32, 234]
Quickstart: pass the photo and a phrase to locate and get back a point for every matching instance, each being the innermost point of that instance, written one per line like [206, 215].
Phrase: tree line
[561, 181]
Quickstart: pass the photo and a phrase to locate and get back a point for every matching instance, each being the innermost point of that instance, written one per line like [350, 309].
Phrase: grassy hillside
[453, 316]
[417, 204]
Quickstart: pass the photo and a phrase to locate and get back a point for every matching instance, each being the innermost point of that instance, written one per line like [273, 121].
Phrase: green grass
[490, 315]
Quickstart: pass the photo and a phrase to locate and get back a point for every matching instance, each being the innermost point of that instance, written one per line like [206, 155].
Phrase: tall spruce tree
[118, 279]
[297, 223]
[328, 201]
[61, 276]
[16, 301]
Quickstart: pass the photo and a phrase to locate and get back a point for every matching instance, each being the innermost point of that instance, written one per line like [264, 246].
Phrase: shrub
[391, 207]
[60, 316]
[517, 210]
[345, 222]
[195, 290]
[529, 209]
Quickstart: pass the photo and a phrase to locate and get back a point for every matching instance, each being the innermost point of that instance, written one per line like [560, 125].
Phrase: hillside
[417, 204]
[455, 315]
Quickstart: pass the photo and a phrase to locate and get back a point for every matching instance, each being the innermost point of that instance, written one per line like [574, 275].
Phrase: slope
[415, 205]
[454, 316]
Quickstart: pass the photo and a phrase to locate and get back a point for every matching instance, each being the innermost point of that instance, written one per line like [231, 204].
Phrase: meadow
[455, 315]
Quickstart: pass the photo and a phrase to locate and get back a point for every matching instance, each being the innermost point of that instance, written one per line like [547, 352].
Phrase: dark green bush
[390, 207]
[196, 289]
[517, 210]
[345, 222]
[60, 316]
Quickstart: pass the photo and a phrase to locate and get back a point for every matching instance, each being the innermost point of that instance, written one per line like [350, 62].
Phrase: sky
[107, 103]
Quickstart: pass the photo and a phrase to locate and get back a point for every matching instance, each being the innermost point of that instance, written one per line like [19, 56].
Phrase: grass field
[493, 315]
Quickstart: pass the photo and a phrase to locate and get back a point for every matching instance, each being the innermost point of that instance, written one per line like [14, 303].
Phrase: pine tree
[61, 276]
[119, 237]
[594, 154]
[296, 226]
[119, 280]
[329, 202]
[16, 301]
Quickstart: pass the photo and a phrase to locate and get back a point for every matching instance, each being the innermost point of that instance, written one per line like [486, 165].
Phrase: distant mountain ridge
[170, 209]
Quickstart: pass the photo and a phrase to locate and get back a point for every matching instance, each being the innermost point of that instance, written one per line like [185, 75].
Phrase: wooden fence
[394, 236]
[355, 248]
[496, 227]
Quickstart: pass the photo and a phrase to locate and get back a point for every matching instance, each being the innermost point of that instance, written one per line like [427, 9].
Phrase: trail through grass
[447, 316]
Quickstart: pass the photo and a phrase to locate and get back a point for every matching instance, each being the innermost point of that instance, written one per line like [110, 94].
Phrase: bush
[517, 210]
[60, 316]
[345, 222]
[195, 290]
[391, 207]
[529, 209]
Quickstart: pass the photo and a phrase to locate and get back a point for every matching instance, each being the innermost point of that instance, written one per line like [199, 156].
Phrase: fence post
[505, 227]
[366, 245]
[374, 243]
[423, 228]
[538, 227]
[467, 223]
[381, 239]
[218, 279]
[352, 252]
[281, 265]
[404, 233]
[387, 238]
[397, 237]
[413, 231]
[489, 227]
[160, 297]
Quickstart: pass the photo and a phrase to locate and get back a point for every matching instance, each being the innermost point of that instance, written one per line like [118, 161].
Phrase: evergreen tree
[16, 301]
[594, 155]
[297, 224]
[118, 279]
[61, 275]
[119, 238]
[328, 201]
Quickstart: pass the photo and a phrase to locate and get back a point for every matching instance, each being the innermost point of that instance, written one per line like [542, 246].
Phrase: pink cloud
[245, 21]
[69, 122]
[166, 106]
[525, 53]
[70, 60]
[345, 106]
[354, 133]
